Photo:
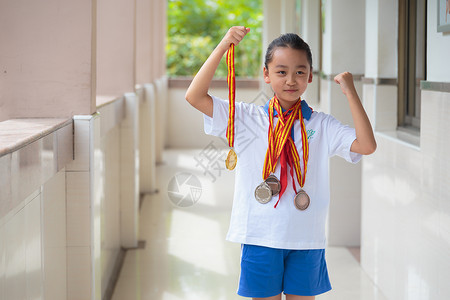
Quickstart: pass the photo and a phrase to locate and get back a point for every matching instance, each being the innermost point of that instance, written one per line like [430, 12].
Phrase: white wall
[438, 47]
[405, 186]
[185, 123]
[406, 212]
[33, 218]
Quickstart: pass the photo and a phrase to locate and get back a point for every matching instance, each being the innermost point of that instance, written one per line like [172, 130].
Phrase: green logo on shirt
[310, 133]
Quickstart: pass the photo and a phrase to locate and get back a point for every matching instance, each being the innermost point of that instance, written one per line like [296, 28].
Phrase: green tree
[195, 27]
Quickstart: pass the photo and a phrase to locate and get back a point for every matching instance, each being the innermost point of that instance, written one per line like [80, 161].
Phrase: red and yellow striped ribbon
[231, 95]
[278, 138]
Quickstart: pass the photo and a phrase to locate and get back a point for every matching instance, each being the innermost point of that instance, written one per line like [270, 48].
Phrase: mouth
[290, 91]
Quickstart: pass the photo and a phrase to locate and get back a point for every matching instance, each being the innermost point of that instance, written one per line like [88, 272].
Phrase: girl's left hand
[345, 80]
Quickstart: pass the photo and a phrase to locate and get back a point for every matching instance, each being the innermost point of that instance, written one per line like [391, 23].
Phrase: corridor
[185, 254]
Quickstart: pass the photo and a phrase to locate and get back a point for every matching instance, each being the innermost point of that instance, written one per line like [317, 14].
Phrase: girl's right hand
[234, 35]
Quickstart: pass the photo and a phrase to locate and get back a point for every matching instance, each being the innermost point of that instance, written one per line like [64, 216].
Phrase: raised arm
[197, 93]
[365, 141]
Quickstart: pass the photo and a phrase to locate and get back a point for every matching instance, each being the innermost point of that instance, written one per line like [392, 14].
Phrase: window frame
[408, 83]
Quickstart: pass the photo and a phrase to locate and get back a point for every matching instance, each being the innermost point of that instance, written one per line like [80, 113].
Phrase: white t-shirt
[285, 226]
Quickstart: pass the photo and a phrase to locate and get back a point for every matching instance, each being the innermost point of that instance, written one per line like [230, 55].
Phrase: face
[288, 74]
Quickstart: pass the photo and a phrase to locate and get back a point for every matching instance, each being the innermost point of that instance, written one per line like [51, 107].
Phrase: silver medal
[263, 193]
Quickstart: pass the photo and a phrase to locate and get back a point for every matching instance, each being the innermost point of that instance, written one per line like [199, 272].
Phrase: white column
[343, 50]
[311, 34]
[287, 20]
[147, 132]
[83, 211]
[129, 172]
[161, 87]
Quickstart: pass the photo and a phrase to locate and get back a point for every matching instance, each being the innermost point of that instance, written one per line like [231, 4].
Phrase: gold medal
[301, 200]
[231, 160]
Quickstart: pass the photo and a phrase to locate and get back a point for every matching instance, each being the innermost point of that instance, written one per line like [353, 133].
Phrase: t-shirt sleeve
[340, 139]
[217, 125]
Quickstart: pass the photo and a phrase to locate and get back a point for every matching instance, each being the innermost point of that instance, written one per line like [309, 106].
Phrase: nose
[290, 79]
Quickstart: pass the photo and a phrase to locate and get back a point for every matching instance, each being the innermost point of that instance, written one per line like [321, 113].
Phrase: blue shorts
[267, 272]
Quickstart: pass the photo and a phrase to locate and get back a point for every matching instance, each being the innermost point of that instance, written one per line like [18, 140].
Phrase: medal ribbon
[231, 95]
[281, 145]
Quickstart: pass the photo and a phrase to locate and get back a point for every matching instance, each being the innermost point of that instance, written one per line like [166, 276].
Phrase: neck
[287, 105]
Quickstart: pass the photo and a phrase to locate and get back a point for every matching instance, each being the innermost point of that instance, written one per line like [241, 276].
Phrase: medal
[281, 146]
[263, 193]
[231, 160]
[301, 200]
[267, 189]
[274, 184]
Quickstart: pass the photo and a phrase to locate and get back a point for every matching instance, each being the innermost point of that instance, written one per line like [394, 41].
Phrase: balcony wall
[75, 78]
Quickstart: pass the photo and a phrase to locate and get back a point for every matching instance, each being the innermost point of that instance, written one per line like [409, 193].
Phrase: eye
[300, 72]
[282, 72]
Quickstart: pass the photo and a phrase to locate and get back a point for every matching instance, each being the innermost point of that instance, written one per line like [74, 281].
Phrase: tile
[5, 185]
[49, 157]
[55, 273]
[82, 146]
[96, 198]
[2, 262]
[54, 210]
[79, 275]
[26, 172]
[54, 235]
[405, 243]
[33, 249]
[15, 257]
[78, 209]
[64, 148]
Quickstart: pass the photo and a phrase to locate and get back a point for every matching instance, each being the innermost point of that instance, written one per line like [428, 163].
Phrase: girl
[279, 216]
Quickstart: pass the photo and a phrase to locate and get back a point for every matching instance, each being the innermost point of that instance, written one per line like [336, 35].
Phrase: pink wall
[115, 47]
[58, 56]
[46, 58]
[143, 41]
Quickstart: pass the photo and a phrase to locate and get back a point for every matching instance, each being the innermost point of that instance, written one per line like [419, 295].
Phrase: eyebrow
[283, 66]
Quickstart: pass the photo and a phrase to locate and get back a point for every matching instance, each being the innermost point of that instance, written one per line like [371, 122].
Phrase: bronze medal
[231, 160]
[263, 193]
[274, 184]
[301, 200]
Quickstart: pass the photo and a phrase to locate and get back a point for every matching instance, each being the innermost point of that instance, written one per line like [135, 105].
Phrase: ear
[266, 75]
[310, 76]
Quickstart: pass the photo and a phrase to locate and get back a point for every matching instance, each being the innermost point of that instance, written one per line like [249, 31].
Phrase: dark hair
[288, 40]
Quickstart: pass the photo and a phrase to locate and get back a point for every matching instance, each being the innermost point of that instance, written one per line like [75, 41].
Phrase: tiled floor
[186, 255]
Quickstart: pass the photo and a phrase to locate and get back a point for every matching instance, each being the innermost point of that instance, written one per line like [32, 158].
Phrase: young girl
[278, 215]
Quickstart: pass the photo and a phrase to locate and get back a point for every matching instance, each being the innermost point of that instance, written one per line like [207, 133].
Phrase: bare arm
[197, 92]
[365, 141]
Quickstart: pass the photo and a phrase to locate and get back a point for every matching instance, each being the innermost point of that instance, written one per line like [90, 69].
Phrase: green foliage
[195, 27]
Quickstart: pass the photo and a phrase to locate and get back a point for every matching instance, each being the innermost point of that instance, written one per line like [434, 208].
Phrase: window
[195, 27]
[411, 62]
